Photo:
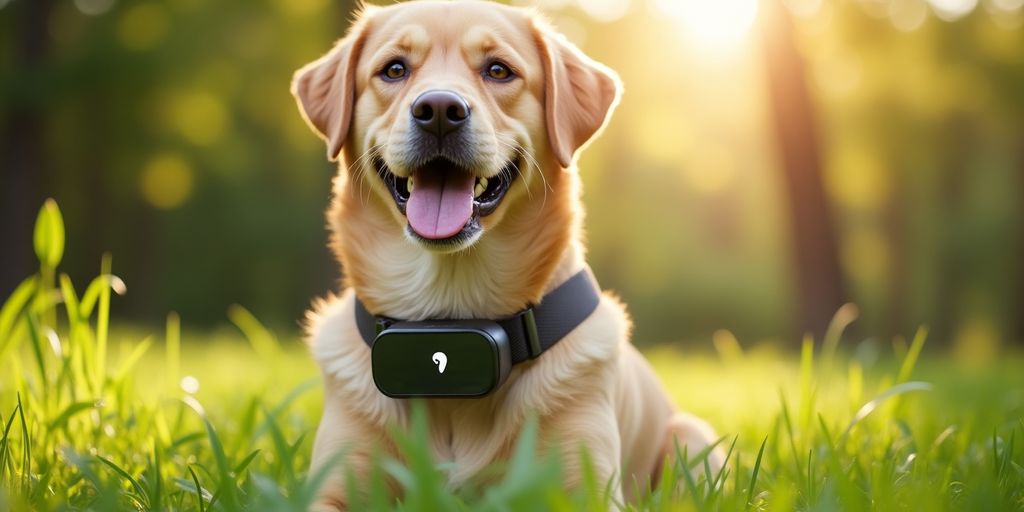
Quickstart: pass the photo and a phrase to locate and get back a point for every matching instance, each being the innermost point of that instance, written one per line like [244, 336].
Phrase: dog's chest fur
[472, 433]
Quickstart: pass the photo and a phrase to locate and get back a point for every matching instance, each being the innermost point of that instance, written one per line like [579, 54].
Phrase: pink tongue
[440, 203]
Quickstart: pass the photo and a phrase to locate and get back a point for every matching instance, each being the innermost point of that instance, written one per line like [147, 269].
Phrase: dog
[456, 126]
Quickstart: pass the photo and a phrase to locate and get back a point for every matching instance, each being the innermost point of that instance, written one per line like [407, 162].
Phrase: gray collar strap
[530, 331]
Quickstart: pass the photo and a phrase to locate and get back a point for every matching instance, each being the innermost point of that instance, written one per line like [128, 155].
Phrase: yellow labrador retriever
[456, 126]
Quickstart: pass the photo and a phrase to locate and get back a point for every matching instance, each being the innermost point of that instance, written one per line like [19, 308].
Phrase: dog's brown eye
[395, 70]
[498, 71]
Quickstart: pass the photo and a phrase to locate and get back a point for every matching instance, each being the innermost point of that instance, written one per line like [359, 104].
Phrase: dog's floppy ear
[579, 93]
[325, 89]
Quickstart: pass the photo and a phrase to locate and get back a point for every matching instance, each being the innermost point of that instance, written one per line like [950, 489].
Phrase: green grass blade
[263, 342]
[288, 400]
[139, 489]
[807, 391]
[12, 309]
[173, 349]
[691, 485]
[280, 445]
[314, 481]
[719, 478]
[226, 484]
[133, 358]
[26, 444]
[907, 367]
[157, 492]
[70, 301]
[845, 315]
[869, 407]
[70, 411]
[37, 351]
[241, 466]
[201, 494]
[5, 442]
[95, 288]
[102, 327]
[754, 473]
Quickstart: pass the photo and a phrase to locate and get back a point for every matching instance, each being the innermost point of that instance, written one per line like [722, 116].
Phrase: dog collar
[531, 331]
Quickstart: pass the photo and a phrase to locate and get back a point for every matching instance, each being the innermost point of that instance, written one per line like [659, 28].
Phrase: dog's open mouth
[443, 201]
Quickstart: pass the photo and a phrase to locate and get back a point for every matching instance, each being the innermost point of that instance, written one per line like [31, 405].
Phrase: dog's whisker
[357, 165]
[359, 171]
[515, 149]
[531, 164]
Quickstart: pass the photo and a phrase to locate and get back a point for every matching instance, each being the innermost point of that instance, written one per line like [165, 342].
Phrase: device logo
[441, 360]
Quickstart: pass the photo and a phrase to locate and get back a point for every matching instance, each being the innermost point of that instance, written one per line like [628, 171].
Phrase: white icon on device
[441, 360]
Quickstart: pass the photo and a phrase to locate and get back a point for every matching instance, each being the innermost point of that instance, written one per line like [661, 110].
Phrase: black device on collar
[470, 358]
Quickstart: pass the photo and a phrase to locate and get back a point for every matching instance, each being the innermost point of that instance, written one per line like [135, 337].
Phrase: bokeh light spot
[190, 384]
[200, 117]
[1007, 14]
[713, 22]
[907, 15]
[94, 7]
[952, 10]
[142, 26]
[166, 181]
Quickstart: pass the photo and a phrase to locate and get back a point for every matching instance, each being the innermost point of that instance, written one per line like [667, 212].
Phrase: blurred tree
[22, 155]
[814, 249]
[165, 130]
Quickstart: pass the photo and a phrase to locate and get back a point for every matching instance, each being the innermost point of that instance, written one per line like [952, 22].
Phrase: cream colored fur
[592, 390]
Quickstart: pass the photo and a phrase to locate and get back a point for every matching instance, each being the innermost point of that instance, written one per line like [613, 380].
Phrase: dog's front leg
[588, 428]
[344, 446]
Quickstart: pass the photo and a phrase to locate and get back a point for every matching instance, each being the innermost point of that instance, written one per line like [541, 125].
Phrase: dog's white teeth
[409, 185]
[481, 185]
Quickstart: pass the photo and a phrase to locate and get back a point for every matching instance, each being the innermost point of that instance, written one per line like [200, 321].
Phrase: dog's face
[453, 112]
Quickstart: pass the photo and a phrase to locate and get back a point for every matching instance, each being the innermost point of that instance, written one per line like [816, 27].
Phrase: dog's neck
[533, 249]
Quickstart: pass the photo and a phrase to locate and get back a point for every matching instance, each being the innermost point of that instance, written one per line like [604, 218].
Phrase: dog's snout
[440, 112]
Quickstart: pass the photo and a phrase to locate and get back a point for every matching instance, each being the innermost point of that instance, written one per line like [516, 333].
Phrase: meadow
[101, 417]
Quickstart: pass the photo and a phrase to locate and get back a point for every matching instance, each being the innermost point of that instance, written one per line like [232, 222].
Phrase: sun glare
[713, 22]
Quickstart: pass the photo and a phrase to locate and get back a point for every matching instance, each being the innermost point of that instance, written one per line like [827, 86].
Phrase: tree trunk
[1016, 335]
[22, 152]
[815, 253]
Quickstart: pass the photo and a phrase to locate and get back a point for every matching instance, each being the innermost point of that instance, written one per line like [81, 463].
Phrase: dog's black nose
[440, 112]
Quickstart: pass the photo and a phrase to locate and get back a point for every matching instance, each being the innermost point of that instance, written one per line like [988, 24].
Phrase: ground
[101, 417]
[235, 419]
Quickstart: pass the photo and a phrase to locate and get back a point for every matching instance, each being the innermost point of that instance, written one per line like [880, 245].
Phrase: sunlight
[713, 23]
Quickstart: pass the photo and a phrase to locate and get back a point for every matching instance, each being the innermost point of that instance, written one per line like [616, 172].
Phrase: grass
[98, 417]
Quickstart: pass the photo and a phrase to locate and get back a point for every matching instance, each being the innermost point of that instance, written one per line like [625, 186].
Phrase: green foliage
[82, 430]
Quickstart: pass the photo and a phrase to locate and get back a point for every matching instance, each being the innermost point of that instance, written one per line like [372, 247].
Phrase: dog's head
[454, 111]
